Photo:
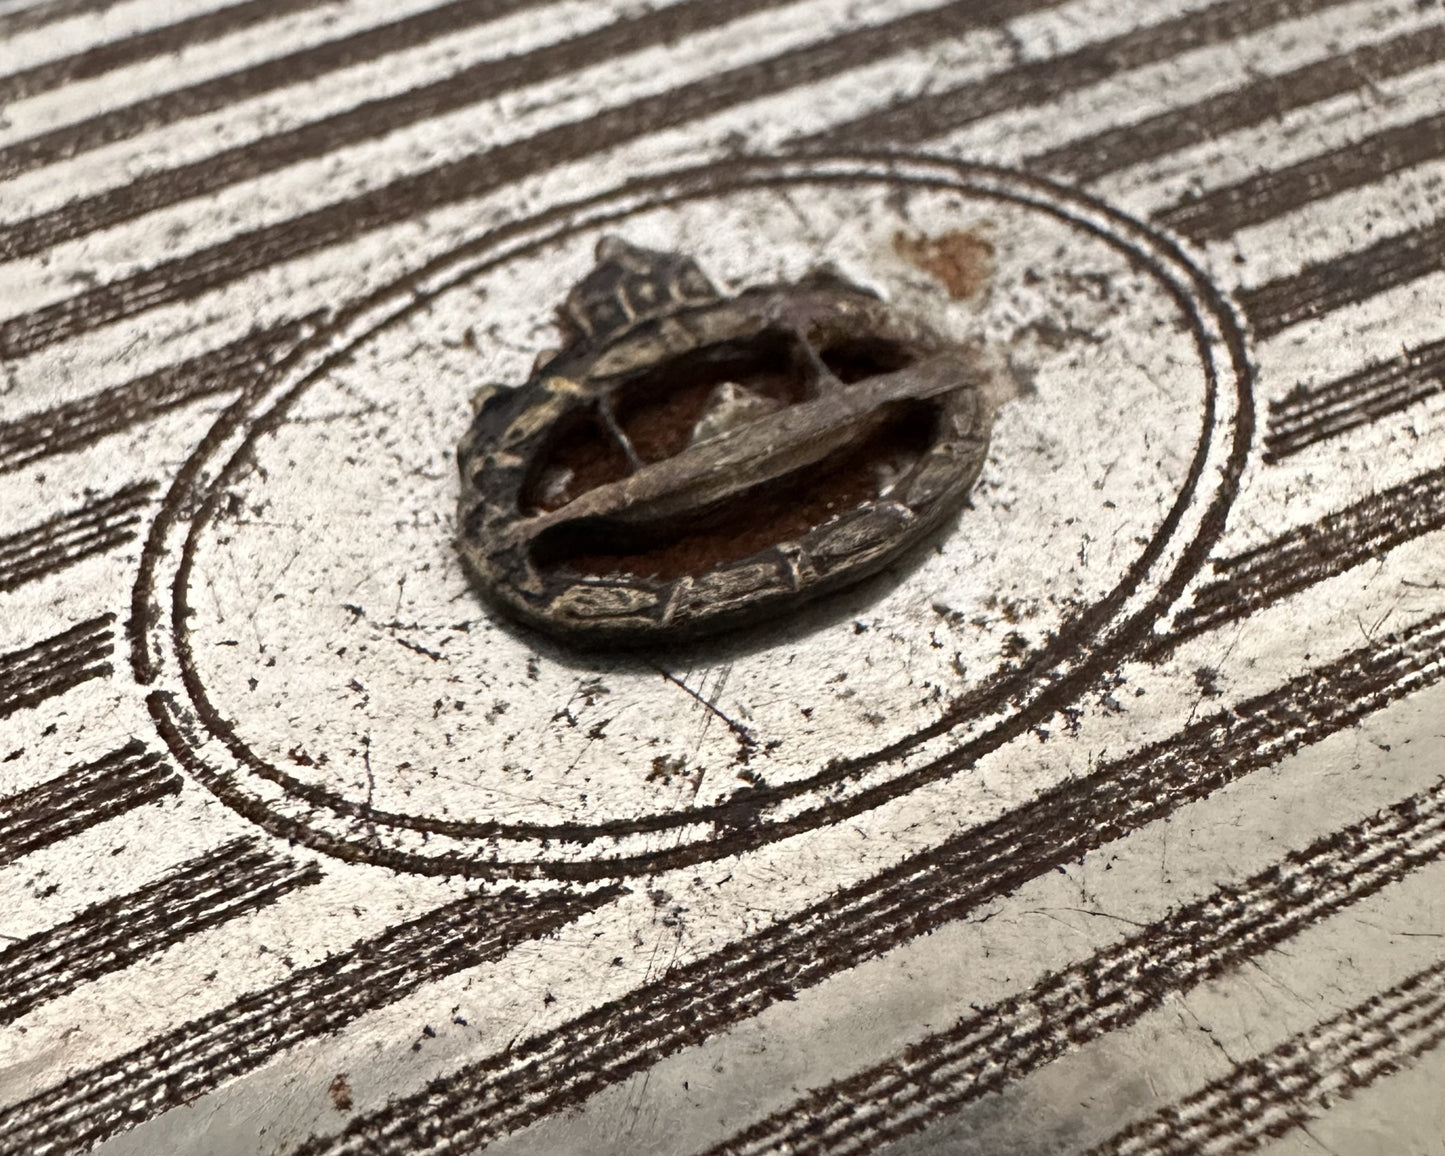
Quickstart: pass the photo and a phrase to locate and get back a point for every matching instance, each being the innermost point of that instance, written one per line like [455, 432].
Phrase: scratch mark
[745, 737]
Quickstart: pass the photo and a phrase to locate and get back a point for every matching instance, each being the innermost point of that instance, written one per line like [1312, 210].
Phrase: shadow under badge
[690, 463]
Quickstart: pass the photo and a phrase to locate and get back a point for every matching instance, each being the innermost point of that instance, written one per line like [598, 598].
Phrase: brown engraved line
[737, 819]
[48, 12]
[1344, 280]
[82, 797]
[367, 121]
[184, 278]
[147, 45]
[1312, 553]
[1307, 415]
[238, 878]
[935, 114]
[199, 1056]
[564, 1067]
[77, 424]
[30, 676]
[1268, 1096]
[993, 1046]
[1222, 212]
[295, 68]
[1242, 107]
[100, 525]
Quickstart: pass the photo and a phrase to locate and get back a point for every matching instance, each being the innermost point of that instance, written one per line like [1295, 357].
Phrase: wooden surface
[1110, 820]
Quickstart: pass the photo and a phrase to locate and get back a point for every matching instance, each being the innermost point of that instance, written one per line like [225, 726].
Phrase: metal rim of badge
[650, 330]
[207, 746]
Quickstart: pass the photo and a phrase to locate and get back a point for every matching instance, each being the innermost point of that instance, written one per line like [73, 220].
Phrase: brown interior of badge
[851, 359]
[658, 411]
[659, 408]
[752, 519]
[582, 456]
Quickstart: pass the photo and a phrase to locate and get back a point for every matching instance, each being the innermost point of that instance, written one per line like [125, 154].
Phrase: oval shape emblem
[691, 462]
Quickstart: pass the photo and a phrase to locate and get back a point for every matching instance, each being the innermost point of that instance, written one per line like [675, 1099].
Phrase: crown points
[629, 285]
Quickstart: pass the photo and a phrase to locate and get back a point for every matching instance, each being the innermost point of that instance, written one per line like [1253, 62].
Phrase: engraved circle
[1122, 337]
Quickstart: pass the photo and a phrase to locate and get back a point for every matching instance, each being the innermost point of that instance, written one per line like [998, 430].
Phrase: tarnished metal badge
[690, 463]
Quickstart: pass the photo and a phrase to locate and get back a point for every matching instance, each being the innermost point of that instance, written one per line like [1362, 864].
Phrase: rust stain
[962, 260]
[340, 1093]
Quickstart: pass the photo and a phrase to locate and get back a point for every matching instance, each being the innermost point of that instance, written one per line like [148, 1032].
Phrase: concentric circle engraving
[322, 664]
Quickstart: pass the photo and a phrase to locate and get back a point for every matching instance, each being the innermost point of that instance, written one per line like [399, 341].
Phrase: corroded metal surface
[690, 464]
